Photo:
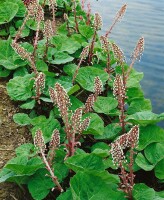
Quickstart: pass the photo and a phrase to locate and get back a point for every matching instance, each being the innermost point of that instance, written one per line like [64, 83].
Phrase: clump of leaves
[94, 132]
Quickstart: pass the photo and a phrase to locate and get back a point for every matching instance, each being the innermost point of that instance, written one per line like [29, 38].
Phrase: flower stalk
[40, 144]
[74, 125]
[127, 140]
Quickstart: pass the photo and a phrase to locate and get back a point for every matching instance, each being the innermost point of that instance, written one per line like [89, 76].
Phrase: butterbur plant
[97, 26]
[40, 144]
[92, 133]
[125, 141]
[74, 125]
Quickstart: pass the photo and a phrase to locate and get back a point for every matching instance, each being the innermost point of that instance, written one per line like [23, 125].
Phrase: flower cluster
[121, 12]
[98, 87]
[119, 90]
[39, 84]
[138, 49]
[105, 43]
[39, 141]
[74, 123]
[97, 22]
[84, 52]
[127, 140]
[118, 52]
[21, 51]
[40, 144]
[48, 30]
[117, 153]
[60, 98]
[55, 139]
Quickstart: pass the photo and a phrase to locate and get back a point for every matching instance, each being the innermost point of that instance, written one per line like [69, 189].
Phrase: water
[142, 18]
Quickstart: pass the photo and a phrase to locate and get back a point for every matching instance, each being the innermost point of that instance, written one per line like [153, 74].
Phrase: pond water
[142, 18]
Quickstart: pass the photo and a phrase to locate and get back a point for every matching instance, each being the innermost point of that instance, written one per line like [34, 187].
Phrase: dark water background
[142, 18]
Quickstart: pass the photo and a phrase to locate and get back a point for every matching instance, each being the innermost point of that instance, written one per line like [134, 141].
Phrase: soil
[11, 136]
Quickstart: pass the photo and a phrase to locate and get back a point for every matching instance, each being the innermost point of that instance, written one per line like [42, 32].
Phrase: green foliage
[90, 173]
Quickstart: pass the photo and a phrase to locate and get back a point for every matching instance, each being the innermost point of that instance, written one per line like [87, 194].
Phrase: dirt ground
[11, 136]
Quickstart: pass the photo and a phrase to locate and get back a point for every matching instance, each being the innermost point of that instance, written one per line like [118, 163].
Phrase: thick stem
[51, 155]
[75, 17]
[92, 47]
[131, 173]
[122, 117]
[21, 28]
[53, 19]
[77, 69]
[36, 39]
[108, 60]
[54, 178]
[46, 49]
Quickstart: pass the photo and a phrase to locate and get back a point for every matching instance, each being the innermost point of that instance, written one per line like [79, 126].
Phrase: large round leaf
[8, 58]
[143, 192]
[86, 76]
[8, 11]
[144, 118]
[85, 186]
[154, 152]
[20, 88]
[150, 134]
[96, 126]
[159, 172]
[105, 105]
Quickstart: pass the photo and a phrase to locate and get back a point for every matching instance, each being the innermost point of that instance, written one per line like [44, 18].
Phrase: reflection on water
[142, 18]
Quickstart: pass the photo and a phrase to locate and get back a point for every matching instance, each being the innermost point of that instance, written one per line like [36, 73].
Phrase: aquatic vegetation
[94, 133]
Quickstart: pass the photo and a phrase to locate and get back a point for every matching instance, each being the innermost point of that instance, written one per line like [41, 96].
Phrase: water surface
[142, 18]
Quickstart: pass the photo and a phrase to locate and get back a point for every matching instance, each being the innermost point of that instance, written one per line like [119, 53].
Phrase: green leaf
[8, 58]
[75, 103]
[159, 172]
[74, 89]
[65, 196]
[70, 69]
[21, 119]
[41, 66]
[96, 126]
[65, 44]
[142, 162]
[46, 125]
[5, 174]
[86, 31]
[86, 76]
[100, 149]
[134, 79]
[39, 185]
[57, 57]
[86, 186]
[143, 192]
[22, 71]
[32, 24]
[105, 105]
[20, 88]
[26, 149]
[144, 118]
[159, 195]
[111, 131]
[30, 104]
[150, 134]
[8, 11]
[154, 152]
[139, 105]
[60, 170]
[85, 162]
[28, 168]
[4, 72]
[133, 93]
